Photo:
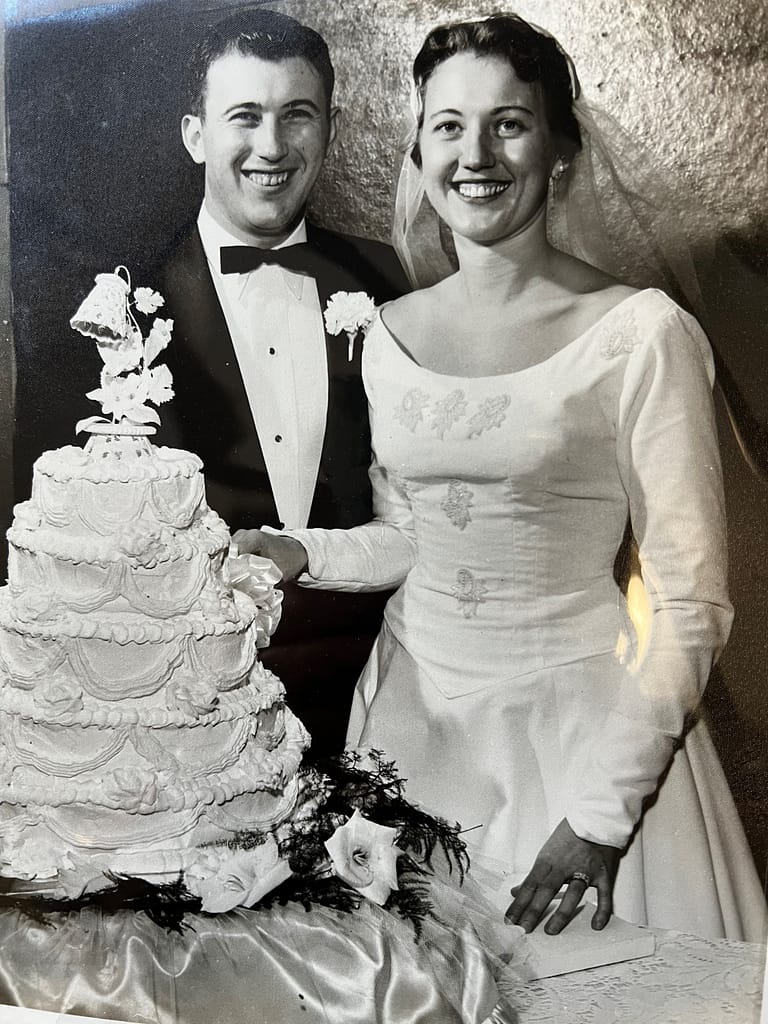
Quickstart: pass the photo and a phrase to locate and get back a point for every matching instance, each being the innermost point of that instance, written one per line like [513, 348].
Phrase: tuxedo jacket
[210, 414]
[324, 638]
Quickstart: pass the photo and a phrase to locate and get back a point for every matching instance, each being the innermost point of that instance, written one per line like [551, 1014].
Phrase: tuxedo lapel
[211, 412]
[342, 494]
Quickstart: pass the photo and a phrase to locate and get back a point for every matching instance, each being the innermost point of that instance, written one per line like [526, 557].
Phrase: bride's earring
[554, 179]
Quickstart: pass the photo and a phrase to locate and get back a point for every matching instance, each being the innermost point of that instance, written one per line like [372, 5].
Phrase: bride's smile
[474, 190]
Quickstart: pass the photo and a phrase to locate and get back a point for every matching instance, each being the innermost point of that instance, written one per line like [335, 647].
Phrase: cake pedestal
[284, 964]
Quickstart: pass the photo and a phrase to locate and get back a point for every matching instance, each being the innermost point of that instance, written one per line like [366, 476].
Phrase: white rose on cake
[63, 697]
[191, 698]
[131, 789]
[142, 541]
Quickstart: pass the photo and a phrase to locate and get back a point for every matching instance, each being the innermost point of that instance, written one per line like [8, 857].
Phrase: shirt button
[278, 438]
[271, 351]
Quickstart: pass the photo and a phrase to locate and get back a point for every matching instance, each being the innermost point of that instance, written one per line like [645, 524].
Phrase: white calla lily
[364, 856]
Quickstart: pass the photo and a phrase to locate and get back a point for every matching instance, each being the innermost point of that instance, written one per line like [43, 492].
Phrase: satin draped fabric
[285, 964]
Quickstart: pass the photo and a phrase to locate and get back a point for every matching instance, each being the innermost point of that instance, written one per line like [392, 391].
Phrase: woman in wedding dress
[528, 412]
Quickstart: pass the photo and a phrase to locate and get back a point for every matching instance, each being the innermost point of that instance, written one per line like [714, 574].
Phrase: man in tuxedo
[273, 404]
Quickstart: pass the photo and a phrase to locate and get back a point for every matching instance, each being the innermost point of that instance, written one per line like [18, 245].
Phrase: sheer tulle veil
[617, 209]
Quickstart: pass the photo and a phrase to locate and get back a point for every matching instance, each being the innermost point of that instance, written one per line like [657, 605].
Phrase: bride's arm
[375, 556]
[669, 458]
[668, 455]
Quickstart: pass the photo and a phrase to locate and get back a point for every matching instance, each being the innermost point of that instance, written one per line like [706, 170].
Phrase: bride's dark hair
[534, 56]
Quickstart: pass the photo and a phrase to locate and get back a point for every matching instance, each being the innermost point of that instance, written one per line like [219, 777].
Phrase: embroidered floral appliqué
[491, 413]
[457, 503]
[448, 411]
[623, 336]
[469, 592]
[410, 412]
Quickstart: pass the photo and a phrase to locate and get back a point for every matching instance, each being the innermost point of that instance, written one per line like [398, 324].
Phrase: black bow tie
[239, 259]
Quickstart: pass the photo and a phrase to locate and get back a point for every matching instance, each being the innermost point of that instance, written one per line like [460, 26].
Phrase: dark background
[98, 178]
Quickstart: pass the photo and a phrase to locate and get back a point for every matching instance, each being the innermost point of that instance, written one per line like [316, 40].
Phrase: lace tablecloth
[688, 980]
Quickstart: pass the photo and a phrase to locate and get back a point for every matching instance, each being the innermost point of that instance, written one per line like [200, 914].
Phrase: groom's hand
[289, 555]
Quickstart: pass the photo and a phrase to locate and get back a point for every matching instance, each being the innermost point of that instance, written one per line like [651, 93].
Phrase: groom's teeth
[480, 190]
[262, 178]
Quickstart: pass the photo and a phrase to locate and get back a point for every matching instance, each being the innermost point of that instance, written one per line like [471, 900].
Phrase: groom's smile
[263, 138]
[268, 179]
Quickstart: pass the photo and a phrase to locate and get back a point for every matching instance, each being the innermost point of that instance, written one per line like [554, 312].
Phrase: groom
[272, 403]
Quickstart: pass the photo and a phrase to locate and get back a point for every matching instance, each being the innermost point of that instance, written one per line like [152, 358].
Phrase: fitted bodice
[518, 492]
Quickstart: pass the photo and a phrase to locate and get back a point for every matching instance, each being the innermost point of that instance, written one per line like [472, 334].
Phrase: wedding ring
[580, 876]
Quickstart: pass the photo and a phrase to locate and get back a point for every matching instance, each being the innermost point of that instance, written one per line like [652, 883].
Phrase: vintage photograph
[383, 503]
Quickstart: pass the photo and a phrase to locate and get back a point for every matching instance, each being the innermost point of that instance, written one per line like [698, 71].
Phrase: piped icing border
[74, 463]
[172, 825]
[143, 791]
[86, 505]
[115, 585]
[146, 630]
[249, 700]
[205, 537]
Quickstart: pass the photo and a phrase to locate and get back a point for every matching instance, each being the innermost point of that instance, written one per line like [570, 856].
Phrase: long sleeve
[375, 556]
[668, 457]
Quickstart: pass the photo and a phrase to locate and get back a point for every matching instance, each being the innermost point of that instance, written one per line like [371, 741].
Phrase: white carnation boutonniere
[131, 383]
[349, 312]
[364, 856]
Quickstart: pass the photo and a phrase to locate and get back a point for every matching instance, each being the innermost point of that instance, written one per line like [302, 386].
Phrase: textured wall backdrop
[689, 80]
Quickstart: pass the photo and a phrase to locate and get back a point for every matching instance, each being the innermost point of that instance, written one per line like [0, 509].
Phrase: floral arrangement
[349, 312]
[353, 835]
[130, 384]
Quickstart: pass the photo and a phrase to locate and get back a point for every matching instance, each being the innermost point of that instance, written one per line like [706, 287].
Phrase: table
[279, 966]
[688, 980]
[293, 967]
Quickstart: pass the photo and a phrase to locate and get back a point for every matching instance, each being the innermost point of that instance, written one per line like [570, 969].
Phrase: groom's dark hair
[257, 33]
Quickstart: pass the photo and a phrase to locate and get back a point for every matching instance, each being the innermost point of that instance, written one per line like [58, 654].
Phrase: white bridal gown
[508, 681]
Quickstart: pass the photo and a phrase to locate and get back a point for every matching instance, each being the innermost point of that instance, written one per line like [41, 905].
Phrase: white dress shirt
[276, 325]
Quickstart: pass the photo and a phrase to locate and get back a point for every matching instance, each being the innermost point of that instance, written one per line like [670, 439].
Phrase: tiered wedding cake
[138, 730]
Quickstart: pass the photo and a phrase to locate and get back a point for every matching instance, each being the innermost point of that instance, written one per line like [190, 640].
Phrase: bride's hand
[565, 859]
[289, 555]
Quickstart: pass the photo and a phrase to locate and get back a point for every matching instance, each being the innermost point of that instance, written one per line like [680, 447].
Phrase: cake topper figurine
[130, 385]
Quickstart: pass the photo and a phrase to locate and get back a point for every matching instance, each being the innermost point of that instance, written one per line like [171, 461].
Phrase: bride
[527, 412]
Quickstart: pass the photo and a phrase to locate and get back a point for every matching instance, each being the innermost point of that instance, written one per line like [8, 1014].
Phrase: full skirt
[501, 760]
